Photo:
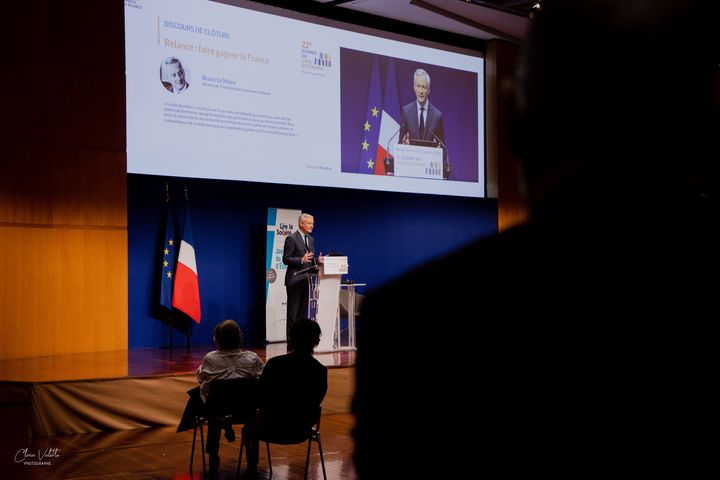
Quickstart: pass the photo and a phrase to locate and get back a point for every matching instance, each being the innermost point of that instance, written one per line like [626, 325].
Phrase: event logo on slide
[313, 60]
[133, 4]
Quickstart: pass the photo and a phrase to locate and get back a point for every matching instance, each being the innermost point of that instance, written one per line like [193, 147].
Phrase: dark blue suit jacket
[292, 256]
[433, 125]
[434, 129]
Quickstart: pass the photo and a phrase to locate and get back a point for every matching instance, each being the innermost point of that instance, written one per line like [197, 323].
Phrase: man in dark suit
[580, 343]
[298, 254]
[420, 120]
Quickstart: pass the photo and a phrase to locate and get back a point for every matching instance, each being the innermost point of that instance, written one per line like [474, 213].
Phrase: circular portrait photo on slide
[174, 77]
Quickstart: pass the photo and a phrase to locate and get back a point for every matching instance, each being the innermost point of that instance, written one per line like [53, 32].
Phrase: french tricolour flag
[389, 121]
[186, 292]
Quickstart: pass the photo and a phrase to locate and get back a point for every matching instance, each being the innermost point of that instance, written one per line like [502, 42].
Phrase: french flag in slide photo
[186, 292]
[389, 125]
[371, 125]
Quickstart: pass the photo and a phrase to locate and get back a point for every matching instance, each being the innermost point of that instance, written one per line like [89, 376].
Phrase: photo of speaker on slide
[381, 100]
[421, 123]
[173, 75]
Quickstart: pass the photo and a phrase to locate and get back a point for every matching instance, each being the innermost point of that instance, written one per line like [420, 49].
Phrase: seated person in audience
[291, 387]
[227, 362]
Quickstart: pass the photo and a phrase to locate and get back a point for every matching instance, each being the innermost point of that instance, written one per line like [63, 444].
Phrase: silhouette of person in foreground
[583, 347]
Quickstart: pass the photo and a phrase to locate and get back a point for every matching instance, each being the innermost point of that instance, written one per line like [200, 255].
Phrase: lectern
[325, 298]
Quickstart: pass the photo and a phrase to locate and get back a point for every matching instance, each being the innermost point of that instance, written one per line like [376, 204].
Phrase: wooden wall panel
[90, 73]
[25, 185]
[90, 188]
[63, 186]
[89, 274]
[26, 309]
[88, 34]
[26, 93]
[27, 106]
[62, 291]
[504, 170]
[29, 21]
[90, 113]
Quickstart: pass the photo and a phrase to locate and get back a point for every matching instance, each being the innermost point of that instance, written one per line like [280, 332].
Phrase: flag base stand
[187, 332]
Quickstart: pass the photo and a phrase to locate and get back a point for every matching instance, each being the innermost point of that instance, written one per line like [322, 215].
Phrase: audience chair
[285, 430]
[233, 401]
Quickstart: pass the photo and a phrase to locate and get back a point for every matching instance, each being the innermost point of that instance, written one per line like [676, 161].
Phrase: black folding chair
[228, 401]
[284, 428]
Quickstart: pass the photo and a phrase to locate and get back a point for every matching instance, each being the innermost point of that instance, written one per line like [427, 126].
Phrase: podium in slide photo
[418, 161]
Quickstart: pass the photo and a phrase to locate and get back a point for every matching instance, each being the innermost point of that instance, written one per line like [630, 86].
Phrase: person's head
[306, 222]
[305, 336]
[174, 73]
[227, 335]
[421, 85]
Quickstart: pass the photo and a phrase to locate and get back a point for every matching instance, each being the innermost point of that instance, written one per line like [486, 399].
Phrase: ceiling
[486, 20]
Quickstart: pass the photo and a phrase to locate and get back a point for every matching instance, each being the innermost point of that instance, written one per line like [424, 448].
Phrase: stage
[127, 389]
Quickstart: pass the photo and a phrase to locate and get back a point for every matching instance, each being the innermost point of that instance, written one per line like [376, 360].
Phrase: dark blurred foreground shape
[579, 343]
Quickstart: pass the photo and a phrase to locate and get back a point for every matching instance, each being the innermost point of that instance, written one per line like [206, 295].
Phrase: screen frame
[385, 28]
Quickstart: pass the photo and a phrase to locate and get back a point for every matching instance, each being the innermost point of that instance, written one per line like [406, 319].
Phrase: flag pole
[170, 315]
[188, 332]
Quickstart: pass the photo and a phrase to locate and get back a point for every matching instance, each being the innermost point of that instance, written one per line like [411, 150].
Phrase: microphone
[437, 139]
[389, 165]
[313, 263]
[447, 167]
[312, 268]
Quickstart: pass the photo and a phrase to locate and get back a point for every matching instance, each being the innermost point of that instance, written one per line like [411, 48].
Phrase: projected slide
[218, 91]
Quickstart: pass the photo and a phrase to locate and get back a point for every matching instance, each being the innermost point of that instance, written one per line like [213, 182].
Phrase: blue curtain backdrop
[383, 234]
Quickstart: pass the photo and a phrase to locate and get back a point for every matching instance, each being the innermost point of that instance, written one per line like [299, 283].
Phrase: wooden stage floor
[160, 453]
[134, 363]
[155, 452]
